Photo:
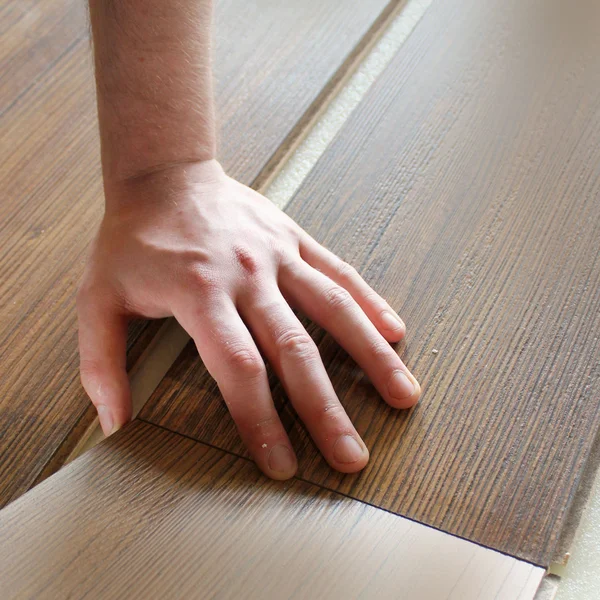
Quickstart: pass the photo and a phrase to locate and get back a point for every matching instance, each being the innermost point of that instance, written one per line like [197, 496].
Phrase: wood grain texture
[151, 514]
[466, 189]
[35, 35]
[52, 194]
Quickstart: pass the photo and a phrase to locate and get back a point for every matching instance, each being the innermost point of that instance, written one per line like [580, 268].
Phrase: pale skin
[180, 238]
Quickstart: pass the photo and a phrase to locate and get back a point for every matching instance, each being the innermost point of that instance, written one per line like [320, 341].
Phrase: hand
[188, 241]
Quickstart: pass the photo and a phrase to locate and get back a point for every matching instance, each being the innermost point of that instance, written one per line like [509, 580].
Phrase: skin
[179, 237]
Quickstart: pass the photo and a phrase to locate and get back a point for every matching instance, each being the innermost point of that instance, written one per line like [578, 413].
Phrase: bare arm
[154, 82]
[179, 237]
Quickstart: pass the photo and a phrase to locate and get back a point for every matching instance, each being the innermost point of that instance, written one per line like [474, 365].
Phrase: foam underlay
[580, 580]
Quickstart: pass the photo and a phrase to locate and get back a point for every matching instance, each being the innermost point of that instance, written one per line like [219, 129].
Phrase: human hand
[189, 241]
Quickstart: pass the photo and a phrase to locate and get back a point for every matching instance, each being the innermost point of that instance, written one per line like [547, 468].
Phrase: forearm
[154, 84]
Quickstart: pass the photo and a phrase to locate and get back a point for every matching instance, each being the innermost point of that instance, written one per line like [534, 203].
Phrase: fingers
[334, 309]
[295, 358]
[231, 357]
[102, 352]
[387, 321]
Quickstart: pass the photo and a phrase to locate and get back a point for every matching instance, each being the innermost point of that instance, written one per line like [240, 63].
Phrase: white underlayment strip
[581, 576]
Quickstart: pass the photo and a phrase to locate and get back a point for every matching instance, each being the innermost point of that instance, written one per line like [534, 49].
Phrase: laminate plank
[466, 189]
[274, 62]
[151, 514]
[35, 34]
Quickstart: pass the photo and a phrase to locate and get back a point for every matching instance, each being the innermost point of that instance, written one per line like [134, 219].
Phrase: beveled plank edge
[144, 380]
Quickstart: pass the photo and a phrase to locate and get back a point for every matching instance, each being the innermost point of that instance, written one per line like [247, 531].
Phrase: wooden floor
[271, 78]
[465, 188]
[151, 514]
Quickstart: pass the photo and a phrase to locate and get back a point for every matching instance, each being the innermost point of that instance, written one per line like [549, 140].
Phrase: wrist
[161, 187]
[132, 146]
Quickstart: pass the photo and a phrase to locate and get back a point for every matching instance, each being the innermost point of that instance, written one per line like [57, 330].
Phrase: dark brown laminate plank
[466, 189]
[273, 61]
[151, 514]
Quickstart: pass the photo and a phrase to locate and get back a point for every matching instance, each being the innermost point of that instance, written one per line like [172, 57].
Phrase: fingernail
[347, 450]
[281, 459]
[106, 420]
[400, 386]
[392, 321]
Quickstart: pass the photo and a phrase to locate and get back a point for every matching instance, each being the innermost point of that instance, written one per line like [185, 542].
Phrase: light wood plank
[274, 63]
[466, 189]
[150, 514]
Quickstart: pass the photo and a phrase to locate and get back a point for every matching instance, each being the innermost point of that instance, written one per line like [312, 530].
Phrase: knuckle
[288, 263]
[373, 297]
[330, 415]
[246, 260]
[332, 411]
[292, 232]
[283, 253]
[380, 351]
[264, 427]
[345, 271]
[296, 344]
[199, 280]
[89, 370]
[84, 295]
[337, 298]
[245, 363]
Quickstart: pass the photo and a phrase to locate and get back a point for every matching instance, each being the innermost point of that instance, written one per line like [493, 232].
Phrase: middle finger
[297, 362]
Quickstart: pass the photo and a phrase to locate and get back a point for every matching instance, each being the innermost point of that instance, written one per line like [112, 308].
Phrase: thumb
[102, 354]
